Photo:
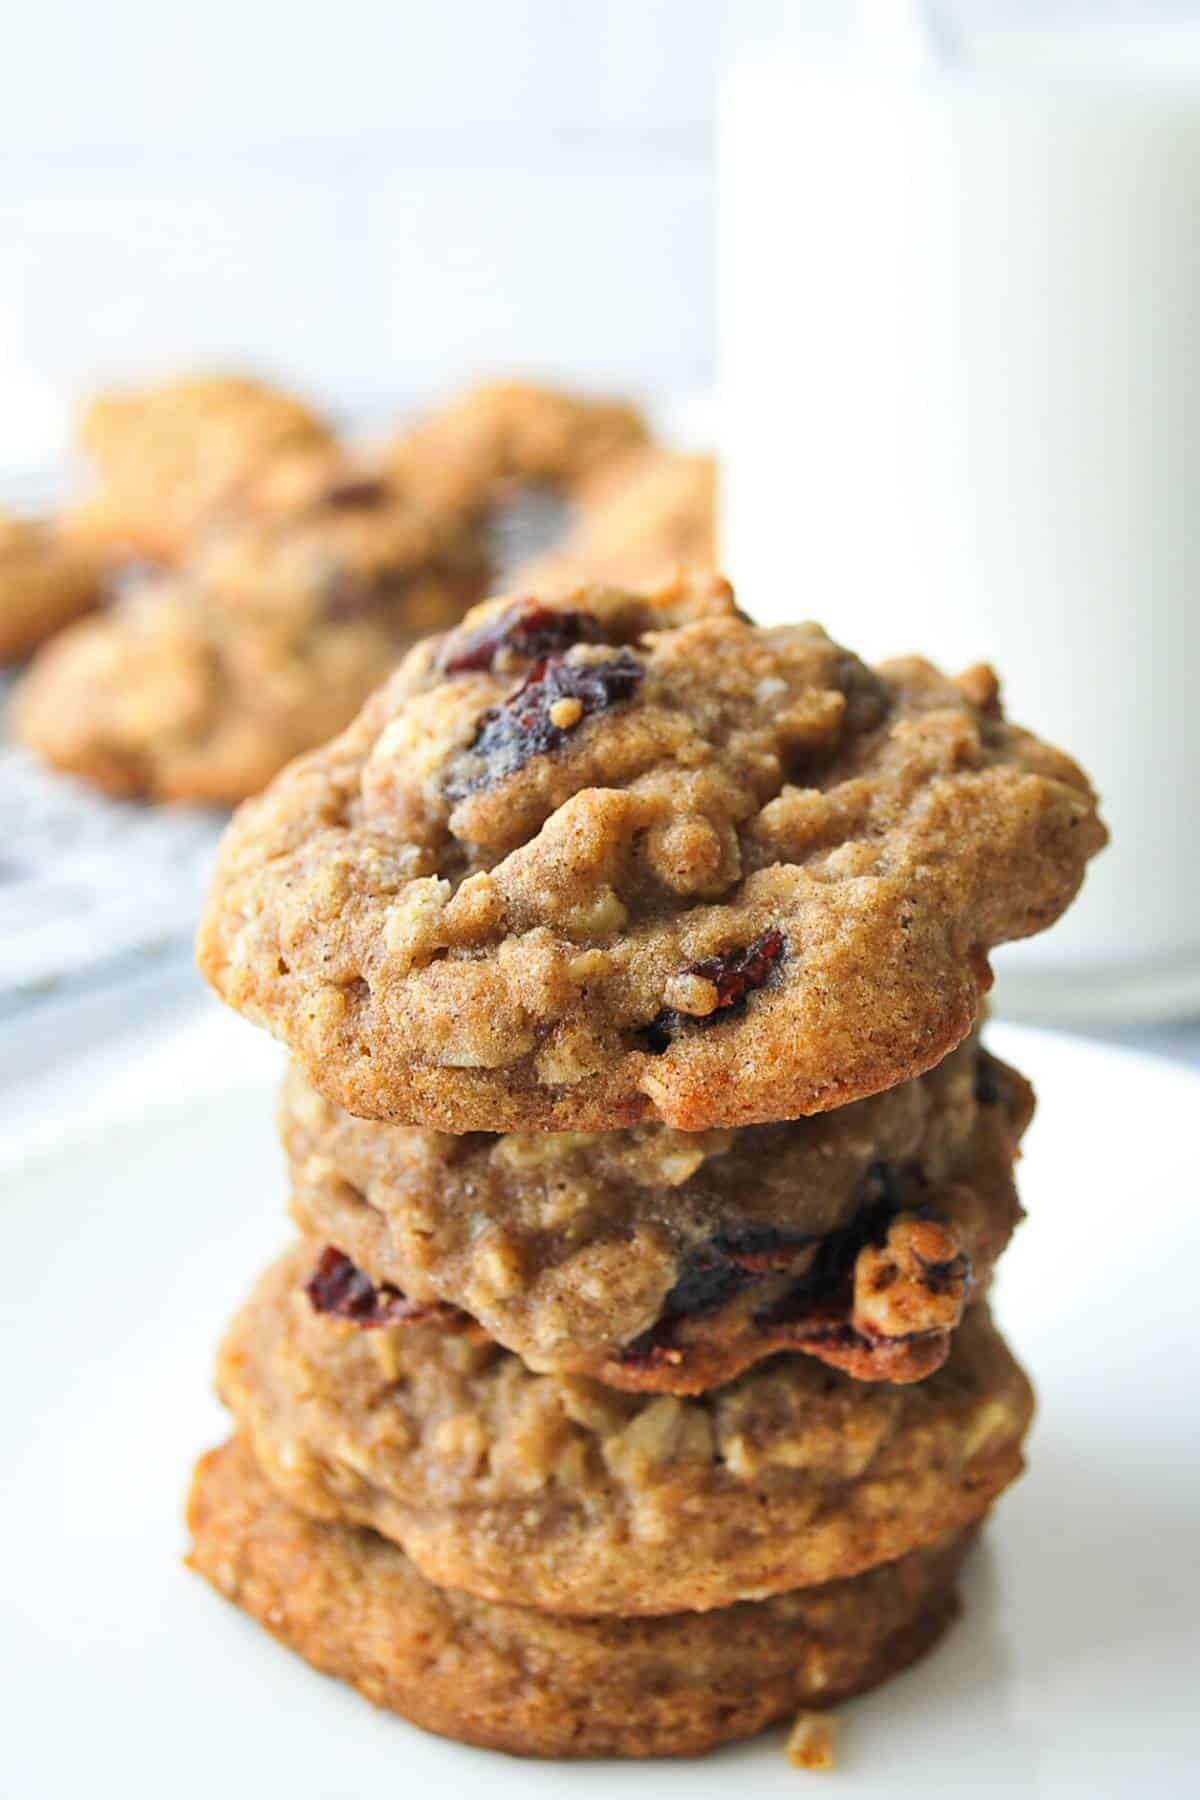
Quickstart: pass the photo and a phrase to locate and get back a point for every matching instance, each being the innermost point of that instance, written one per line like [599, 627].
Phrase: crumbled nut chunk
[915, 1281]
[810, 1741]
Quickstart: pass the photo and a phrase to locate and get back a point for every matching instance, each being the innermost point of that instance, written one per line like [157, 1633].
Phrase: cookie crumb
[565, 713]
[810, 1741]
[692, 994]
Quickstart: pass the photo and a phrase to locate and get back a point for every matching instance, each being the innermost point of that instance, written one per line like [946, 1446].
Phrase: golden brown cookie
[200, 688]
[612, 858]
[670, 1261]
[637, 523]
[538, 1684]
[558, 1492]
[168, 458]
[45, 583]
[469, 454]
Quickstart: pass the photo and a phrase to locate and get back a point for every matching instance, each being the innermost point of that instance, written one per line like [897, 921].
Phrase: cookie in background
[650, 514]
[169, 458]
[473, 452]
[46, 582]
[300, 573]
[201, 685]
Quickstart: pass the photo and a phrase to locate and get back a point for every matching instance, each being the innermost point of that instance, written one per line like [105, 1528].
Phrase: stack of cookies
[632, 1382]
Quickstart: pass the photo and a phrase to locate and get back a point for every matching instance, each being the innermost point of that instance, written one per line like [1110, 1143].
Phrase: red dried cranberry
[732, 1259]
[339, 1286]
[360, 492]
[720, 1267]
[511, 734]
[734, 975]
[528, 629]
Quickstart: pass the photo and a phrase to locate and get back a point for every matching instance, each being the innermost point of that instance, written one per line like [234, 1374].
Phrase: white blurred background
[372, 200]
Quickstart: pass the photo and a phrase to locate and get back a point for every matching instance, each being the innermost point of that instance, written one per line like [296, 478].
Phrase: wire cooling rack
[87, 884]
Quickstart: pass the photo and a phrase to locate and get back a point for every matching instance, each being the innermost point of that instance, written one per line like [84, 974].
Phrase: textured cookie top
[669, 1261]
[560, 1492]
[609, 858]
[45, 582]
[202, 687]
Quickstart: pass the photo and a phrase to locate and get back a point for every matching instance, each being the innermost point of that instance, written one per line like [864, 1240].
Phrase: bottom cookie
[538, 1684]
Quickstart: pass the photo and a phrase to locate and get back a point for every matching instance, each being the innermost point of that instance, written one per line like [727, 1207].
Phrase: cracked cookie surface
[609, 858]
[662, 1260]
[562, 1493]
[538, 1684]
[201, 687]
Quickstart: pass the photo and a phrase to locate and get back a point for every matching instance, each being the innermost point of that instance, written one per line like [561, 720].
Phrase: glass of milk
[960, 340]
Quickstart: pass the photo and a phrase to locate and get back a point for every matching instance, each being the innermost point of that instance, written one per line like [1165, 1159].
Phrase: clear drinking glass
[960, 409]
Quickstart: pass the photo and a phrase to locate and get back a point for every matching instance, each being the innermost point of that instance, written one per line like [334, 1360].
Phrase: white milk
[961, 414]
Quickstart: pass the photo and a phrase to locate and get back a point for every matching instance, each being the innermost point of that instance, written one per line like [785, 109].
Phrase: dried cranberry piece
[522, 727]
[728, 1262]
[734, 975]
[528, 629]
[339, 1286]
[737, 974]
[831, 1269]
[706, 1280]
[360, 492]
[722, 1266]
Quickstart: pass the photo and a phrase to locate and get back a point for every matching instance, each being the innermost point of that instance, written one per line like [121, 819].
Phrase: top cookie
[611, 858]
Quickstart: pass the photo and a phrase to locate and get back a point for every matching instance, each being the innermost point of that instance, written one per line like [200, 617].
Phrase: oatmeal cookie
[499, 435]
[657, 1259]
[638, 523]
[539, 1684]
[559, 1492]
[611, 858]
[202, 686]
[45, 583]
[168, 458]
